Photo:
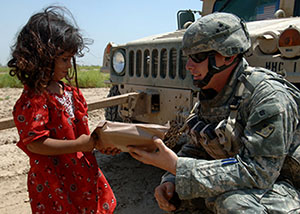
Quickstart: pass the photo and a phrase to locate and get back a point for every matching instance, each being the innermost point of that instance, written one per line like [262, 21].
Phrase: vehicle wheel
[111, 113]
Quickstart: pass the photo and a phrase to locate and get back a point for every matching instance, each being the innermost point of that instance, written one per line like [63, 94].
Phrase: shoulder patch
[266, 131]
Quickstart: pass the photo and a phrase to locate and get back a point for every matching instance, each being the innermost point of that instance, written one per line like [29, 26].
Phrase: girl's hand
[101, 148]
[110, 151]
[163, 158]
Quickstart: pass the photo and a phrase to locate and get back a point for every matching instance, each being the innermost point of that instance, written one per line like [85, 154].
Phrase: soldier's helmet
[224, 33]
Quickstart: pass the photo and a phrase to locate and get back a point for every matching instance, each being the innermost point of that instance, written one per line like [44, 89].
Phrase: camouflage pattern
[222, 32]
[282, 198]
[250, 180]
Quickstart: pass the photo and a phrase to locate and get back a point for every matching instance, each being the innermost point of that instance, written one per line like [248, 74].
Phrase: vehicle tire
[111, 113]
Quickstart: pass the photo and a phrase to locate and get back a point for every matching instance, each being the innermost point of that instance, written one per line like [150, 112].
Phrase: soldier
[243, 154]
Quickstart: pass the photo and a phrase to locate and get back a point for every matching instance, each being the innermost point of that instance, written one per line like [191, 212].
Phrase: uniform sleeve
[31, 117]
[267, 137]
[187, 150]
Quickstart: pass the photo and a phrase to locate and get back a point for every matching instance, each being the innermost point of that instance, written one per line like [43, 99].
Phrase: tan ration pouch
[215, 143]
[233, 145]
[213, 147]
[120, 135]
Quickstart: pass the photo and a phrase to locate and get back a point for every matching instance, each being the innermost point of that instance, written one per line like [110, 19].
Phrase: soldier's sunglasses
[199, 57]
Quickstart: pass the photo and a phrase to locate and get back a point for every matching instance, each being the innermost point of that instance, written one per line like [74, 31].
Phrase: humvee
[152, 69]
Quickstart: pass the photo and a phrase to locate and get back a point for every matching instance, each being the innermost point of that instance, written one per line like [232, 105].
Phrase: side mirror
[184, 16]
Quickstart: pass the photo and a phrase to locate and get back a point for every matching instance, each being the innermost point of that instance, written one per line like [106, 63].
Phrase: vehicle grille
[165, 63]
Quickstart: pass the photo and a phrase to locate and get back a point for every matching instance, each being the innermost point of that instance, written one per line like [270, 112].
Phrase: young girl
[51, 118]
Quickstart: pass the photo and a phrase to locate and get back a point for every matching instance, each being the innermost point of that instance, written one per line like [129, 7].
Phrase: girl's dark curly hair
[46, 35]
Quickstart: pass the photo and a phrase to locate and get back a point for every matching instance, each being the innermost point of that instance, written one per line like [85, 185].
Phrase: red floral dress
[69, 183]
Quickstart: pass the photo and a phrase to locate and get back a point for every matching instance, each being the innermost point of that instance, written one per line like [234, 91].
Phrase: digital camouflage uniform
[251, 175]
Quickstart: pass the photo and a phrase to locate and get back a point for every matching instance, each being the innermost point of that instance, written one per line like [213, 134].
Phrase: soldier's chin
[199, 83]
[207, 94]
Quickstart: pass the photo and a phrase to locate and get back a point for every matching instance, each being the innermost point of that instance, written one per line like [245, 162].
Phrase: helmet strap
[212, 70]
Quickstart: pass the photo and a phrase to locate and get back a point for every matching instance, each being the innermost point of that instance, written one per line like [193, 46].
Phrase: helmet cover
[224, 33]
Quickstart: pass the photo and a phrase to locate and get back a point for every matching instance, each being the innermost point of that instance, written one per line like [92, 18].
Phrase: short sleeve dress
[69, 183]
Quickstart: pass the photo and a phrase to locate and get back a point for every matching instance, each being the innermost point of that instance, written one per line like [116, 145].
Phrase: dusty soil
[132, 182]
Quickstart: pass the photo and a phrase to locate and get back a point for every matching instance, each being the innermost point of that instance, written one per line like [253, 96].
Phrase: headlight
[268, 42]
[118, 61]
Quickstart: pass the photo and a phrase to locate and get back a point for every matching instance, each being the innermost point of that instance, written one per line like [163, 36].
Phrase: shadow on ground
[132, 182]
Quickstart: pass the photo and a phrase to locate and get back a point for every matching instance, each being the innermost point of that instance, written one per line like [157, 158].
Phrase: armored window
[297, 8]
[248, 10]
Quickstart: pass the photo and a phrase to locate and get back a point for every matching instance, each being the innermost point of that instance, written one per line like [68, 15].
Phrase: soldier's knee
[237, 201]
[225, 204]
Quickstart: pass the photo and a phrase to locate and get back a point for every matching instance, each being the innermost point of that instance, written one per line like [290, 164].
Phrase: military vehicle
[153, 68]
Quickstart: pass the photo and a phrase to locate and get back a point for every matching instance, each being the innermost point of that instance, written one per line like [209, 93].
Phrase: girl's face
[62, 66]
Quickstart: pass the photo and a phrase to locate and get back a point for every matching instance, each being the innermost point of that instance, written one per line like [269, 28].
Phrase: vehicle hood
[169, 37]
[259, 27]
[255, 28]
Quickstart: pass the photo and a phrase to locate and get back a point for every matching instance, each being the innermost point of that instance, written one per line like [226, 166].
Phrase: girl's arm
[50, 146]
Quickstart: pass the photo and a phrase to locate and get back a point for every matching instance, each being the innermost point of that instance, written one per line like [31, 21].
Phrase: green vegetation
[7, 81]
[88, 77]
[3, 69]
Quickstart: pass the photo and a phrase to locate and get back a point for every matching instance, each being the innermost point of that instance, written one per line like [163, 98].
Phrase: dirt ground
[132, 182]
